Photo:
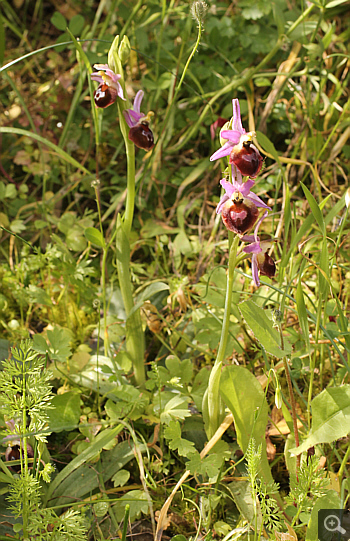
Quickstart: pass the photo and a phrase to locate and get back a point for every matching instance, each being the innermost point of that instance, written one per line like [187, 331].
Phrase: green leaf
[62, 484]
[323, 272]
[64, 155]
[59, 21]
[242, 494]
[210, 465]
[120, 478]
[124, 401]
[173, 434]
[303, 229]
[17, 226]
[330, 417]
[315, 209]
[137, 499]
[39, 344]
[335, 3]
[267, 145]
[243, 395]
[94, 236]
[263, 329]
[330, 500]
[58, 348]
[66, 412]
[151, 290]
[174, 409]
[78, 478]
[301, 308]
[76, 24]
[59, 344]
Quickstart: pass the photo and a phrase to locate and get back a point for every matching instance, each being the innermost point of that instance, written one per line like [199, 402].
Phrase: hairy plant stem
[213, 397]
[177, 90]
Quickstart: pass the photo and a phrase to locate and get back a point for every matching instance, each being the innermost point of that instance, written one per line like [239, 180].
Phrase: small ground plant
[174, 269]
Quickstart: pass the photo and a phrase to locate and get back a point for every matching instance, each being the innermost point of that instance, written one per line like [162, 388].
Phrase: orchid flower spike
[109, 88]
[239, 146]
[262, 263]
[140, 133]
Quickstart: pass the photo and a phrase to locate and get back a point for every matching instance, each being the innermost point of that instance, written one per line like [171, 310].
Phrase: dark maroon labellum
[247, 159]
[239, 215]
[105, 95]
[141, 135]
[266, 265]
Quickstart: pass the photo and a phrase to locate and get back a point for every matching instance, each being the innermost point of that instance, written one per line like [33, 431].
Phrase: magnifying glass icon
[332, 524]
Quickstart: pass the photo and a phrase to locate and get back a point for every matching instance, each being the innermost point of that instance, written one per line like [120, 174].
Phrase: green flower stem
[343, 464]
[135, 340]
[214, 409]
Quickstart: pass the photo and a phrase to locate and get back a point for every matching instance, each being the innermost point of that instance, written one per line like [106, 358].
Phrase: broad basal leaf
[263, 329]
[330, 417]
[243, 395]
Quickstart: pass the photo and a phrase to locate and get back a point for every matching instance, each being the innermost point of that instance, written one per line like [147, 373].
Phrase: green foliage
[310, 486]
[173, 434]
[330, 419]
[25, 391]
[74, 230]
[58, 348]
[26, 394]
[262, 327]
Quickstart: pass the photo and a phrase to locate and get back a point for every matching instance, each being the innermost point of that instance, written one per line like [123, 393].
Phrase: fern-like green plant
[262, 493]
[25, 396]
[310, 485]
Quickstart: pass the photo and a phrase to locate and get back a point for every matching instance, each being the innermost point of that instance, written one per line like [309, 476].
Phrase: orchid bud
[278, 398]
[347, 198]
[113, 50]
[124, 50]
[226, 126]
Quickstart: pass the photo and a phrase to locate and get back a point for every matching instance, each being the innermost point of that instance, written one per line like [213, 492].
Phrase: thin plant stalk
[126, 520]
[135, 341]
[214, 410]
[291, 399]
[173, 101]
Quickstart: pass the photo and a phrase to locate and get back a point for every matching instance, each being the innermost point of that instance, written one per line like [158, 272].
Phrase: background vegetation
[112, 443]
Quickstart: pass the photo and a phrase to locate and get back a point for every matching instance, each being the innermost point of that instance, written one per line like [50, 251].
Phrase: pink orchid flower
[239, 146]
[140, 133]
[109, 88]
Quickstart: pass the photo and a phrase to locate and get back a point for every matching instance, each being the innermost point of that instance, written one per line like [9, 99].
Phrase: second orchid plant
[241, 210]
